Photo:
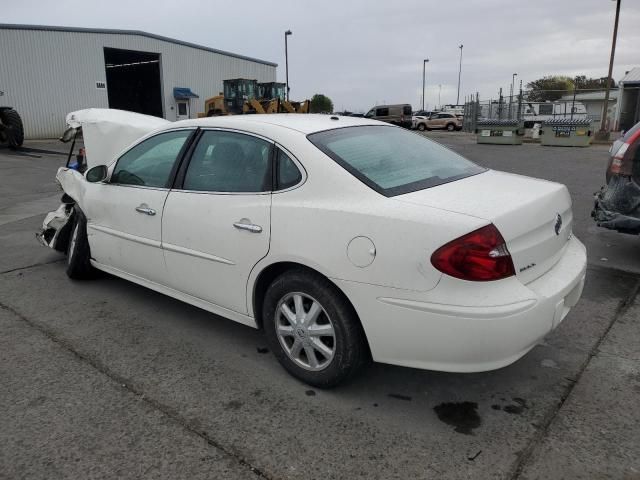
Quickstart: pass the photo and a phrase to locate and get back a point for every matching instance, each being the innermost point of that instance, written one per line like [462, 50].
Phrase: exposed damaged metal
[56, 226]
[617, 205]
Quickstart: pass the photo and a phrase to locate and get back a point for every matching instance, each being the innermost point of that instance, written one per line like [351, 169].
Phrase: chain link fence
[580, 104]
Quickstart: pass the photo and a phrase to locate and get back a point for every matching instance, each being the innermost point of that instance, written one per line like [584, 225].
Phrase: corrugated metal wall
[46, 74]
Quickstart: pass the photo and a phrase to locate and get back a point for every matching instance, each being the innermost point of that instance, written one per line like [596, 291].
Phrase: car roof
[304, 123]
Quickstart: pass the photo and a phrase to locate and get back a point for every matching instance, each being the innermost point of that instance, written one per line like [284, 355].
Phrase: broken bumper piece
[617, 206]
[55, 227]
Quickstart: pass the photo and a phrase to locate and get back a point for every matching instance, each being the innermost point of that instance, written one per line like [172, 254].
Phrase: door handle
[144, 208]
[250, 227]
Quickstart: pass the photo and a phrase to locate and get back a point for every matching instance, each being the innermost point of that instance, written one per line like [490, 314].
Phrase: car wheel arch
[271, 272]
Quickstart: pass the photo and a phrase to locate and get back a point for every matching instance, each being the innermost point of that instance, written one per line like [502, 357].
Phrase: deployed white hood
[107, 132]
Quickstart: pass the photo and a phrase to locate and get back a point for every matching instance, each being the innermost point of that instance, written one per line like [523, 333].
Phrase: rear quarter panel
[314, 224]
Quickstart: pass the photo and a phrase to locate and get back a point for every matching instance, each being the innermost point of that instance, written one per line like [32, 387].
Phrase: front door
[124, 215]
[182, 110]
[216, 225]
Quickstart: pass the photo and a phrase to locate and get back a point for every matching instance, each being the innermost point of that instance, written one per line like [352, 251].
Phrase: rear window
[406, 110]
[631, 132]
[391, 160]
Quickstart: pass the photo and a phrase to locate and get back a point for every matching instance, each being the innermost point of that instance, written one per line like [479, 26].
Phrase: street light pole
[513, 85]
[602, 133]
[459, 73]
[424, 68]
[286, 61]
[439, 92]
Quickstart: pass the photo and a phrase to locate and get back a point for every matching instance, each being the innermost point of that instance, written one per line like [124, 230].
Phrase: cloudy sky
[361, 52]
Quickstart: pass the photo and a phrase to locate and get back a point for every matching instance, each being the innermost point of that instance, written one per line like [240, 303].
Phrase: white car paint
[412, 314]
[108, 131]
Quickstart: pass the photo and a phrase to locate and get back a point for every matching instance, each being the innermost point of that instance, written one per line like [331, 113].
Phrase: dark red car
[618, 203]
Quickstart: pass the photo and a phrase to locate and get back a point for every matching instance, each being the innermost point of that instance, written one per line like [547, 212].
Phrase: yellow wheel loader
[244, 96]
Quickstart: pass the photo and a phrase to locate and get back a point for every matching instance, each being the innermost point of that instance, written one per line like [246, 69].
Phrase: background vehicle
[11, 128]
[617, 204]
[396, 114]
[439, 121]
[457, 110]
[242, 95]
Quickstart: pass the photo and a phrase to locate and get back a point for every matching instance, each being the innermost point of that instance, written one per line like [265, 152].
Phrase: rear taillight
[622, 161]
[479, 256]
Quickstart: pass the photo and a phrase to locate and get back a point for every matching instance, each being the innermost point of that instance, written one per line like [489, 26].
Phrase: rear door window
[382, 112]
[288, 174]
[406, 110]
[229, 162]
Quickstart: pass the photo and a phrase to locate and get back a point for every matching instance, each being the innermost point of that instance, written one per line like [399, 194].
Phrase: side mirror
[97, 174]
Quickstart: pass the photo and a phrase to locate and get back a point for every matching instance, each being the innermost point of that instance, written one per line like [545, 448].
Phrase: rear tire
[15, 129]
[78, 254]
[324, 349]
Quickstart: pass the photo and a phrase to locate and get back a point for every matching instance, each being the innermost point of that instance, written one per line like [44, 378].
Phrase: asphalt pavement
[106, 379]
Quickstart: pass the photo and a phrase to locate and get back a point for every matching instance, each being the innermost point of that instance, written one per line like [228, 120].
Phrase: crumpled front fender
[73, 183]
[57, 224]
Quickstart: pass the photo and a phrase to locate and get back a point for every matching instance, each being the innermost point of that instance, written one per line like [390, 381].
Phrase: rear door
[124, 214]
[216, 222]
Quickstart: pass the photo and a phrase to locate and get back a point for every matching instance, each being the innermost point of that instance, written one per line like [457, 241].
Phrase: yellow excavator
[244, 96]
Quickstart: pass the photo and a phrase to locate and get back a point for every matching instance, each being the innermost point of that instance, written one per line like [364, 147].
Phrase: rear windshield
[631, 132]
[392, 160]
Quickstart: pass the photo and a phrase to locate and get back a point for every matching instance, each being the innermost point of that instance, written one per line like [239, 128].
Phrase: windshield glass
[392, 160]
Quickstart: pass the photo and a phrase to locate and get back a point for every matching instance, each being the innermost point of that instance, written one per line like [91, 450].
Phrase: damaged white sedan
[345, 239]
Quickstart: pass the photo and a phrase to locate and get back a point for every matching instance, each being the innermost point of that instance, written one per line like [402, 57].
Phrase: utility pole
[286, 60]
[603, 134]
[424, 68]
[460, 72]
[439, 92]
[513, 86]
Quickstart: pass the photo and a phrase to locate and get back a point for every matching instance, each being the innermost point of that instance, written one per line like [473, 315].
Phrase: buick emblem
[558, 224]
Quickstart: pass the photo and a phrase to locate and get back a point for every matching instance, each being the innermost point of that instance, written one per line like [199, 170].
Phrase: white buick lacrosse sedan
[344, 239]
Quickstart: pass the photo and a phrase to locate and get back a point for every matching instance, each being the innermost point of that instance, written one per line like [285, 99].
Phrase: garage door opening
[133, 81]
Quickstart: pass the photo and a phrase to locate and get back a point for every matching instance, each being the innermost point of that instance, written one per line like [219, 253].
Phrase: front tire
[312, 329]
[78, 254]
[450, 127]
[422, 127]
[15, 129]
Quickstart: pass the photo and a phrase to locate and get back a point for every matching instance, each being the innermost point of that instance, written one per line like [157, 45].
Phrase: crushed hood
[107, 132]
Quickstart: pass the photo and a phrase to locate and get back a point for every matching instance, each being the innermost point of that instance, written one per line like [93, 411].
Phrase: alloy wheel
[305, 331]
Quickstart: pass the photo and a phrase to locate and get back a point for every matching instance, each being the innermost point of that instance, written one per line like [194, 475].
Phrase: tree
[584, 83]
[321, 104]
[550, 88]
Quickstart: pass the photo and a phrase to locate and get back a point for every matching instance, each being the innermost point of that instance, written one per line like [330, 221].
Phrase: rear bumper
[465, 326]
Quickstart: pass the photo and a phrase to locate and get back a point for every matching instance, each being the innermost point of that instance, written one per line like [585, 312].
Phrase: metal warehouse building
[46, 72]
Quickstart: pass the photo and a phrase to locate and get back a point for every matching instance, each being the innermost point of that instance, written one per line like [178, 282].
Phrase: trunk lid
[534, 216]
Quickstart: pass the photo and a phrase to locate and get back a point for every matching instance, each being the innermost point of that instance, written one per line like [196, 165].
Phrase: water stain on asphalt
[461, 415]
[262, 349]
[310, 393]
[233, 405]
